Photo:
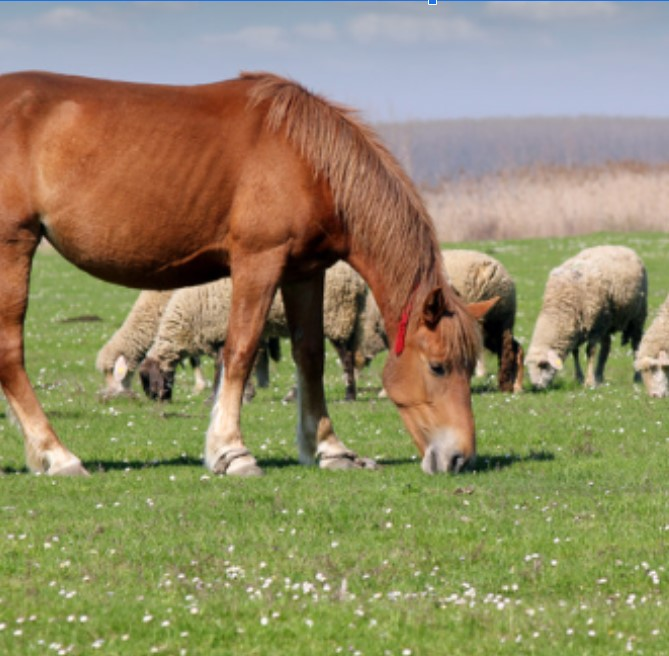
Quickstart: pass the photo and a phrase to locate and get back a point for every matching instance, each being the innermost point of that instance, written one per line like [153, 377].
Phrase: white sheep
[118, 359]
[196, 322]
[596, 293]
[475, 277]
[652, 357]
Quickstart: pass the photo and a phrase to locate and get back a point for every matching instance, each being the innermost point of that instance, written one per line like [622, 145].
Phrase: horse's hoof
[247, 470]
[237, 462]
[346, 460]
[368, 463]
[70, 468]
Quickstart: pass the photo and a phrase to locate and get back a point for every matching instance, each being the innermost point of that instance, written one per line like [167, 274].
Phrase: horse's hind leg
[316, 438]
[44, 451]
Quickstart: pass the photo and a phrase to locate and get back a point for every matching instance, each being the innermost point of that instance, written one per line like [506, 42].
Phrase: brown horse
[155, 186]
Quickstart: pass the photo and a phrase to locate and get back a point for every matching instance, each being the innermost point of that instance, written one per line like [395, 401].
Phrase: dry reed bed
[552, 202]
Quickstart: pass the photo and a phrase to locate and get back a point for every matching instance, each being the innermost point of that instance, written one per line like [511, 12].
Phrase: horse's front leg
[316, 439]
[44, 451]
[252, 294]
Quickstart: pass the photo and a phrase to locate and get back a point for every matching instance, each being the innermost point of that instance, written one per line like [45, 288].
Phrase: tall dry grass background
[551, 201]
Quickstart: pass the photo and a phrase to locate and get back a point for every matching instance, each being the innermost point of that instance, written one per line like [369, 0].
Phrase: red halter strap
[403, 324]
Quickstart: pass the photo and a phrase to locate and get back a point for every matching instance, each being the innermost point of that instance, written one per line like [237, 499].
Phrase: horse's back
[150, 185]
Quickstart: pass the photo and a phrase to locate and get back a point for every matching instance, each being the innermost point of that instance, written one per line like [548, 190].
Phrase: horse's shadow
[483, 463]
[488, 463]
[182, 461]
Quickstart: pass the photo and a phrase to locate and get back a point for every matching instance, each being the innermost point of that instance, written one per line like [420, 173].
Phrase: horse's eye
[437, 369]
[544, 365]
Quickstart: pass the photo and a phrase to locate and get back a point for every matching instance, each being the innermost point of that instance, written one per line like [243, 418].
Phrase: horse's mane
[381, 208]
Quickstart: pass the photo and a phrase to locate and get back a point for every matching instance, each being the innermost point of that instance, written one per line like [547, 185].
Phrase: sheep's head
[655, 374]
[118, 379]
[157, 384]
[542, 367]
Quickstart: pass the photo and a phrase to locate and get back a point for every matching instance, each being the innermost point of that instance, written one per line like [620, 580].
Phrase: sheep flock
[588, 298]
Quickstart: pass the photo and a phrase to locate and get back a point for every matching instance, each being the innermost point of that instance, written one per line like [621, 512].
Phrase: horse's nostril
[458, 461]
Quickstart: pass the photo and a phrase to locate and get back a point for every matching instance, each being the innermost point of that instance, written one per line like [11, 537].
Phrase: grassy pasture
[556, 542]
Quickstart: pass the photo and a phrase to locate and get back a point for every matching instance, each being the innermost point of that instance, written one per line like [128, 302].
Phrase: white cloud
[539, 10]
[406, 29]
[64, 17]
[171, 5]
[259, 37]
[272, 37]
[316, 31]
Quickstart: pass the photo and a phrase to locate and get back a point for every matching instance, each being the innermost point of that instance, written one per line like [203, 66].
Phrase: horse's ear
[434, 308]
[480, 309]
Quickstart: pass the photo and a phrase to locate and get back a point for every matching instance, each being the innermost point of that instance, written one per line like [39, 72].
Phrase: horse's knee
[238, 361]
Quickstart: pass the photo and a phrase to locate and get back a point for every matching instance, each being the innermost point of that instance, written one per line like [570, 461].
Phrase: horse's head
[427, 375]
[157, 384]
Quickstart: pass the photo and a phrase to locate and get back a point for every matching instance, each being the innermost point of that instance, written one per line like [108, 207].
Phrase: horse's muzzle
[444, 454]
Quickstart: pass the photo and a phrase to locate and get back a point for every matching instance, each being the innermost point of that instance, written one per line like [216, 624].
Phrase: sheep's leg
[200, 382]
[507, 361]
[480, 370]
[591, 378]
[347, 360]
[274, 348]
[578, 372]
[44, 451]
[262, 365]
[635, 338]
[316, 438]
[254, 284]
[519, 355]
[602, 358]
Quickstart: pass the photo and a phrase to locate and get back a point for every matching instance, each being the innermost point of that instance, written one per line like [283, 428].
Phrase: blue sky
[391, 60]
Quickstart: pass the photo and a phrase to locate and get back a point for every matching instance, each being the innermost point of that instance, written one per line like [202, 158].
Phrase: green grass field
[556, 543]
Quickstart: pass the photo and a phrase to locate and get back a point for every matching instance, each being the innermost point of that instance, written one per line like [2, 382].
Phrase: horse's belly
[143, 255]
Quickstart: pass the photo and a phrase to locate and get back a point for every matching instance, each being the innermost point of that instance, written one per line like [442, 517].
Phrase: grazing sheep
[475, 277]
[118, 359]
[195, 322]
[478, 277]
[600, 291]
[652, 358]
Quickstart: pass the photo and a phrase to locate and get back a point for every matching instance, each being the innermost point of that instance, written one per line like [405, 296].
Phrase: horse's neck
[391, 305]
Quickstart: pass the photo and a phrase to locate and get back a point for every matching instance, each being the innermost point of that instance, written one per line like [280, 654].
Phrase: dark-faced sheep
[195, 322]
[119, 358]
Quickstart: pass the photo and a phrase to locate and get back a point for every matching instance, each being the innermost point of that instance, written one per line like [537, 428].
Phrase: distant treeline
[432, 151]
